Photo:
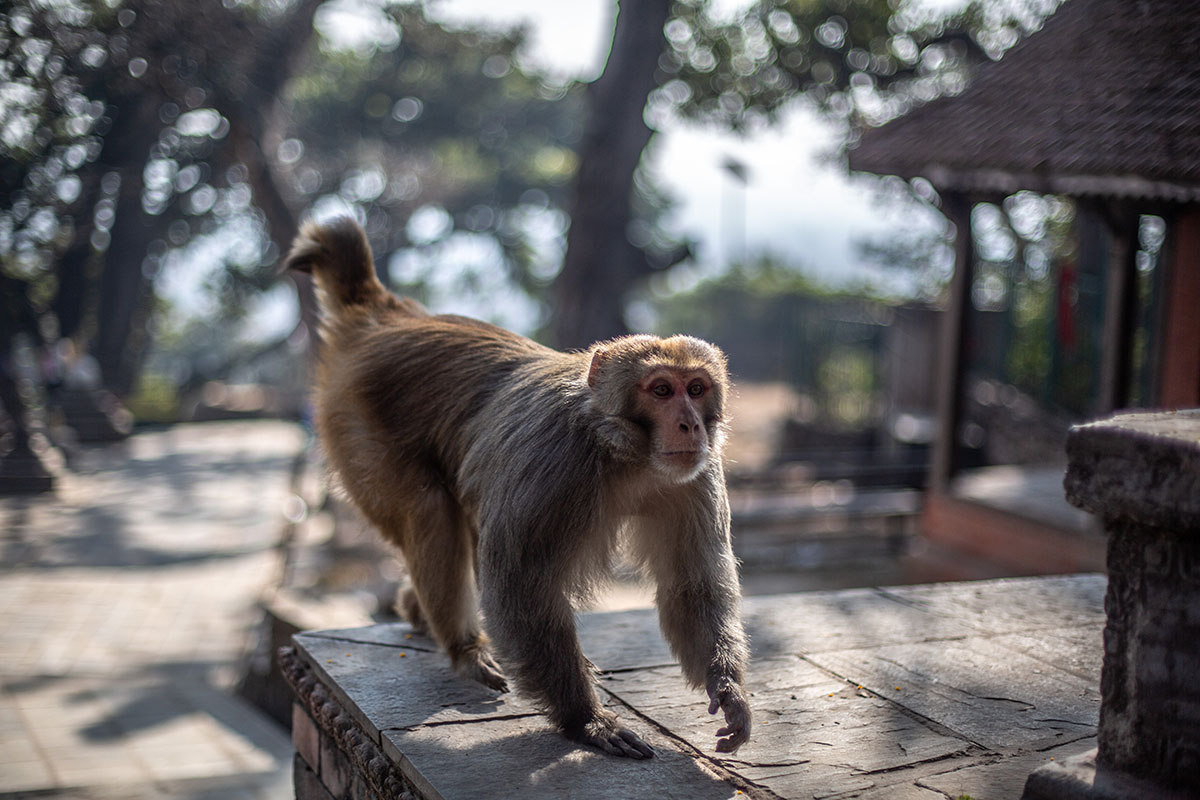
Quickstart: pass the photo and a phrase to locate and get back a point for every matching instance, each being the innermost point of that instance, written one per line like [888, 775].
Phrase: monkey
[505, 472]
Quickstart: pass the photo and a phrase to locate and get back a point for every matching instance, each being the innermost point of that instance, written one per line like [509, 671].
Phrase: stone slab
[618, 640]
[1079, 651]
[991, 695]
[392, 634]
[989, 673]
[803, 715]
[386, 686]
[821, 621]
[613, 640]
[1012, 605]
[523, 758]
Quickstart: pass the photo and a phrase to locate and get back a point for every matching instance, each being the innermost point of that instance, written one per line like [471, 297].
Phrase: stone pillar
[1140, 474]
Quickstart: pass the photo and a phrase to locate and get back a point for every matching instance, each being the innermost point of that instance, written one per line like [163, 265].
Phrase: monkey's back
[399, 397]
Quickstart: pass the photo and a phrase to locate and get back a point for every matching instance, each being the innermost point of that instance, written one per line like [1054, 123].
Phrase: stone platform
[911, 693]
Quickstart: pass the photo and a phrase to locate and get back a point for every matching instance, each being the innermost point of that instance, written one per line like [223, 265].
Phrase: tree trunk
[601, 266]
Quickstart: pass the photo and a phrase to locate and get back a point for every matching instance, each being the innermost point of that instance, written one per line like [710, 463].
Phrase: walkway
[127, 602]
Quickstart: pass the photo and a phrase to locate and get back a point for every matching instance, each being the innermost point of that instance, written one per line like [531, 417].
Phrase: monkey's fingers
[632, 740]
[737, 721]
[617, 740]
[736, 738]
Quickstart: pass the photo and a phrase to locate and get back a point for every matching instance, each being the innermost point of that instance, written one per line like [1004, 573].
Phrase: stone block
[306, 783]
[1143, 467]
[1082, 778]
[1140, 473]
[336, 772]
[524, 757]
[306, 737]
[401, 686]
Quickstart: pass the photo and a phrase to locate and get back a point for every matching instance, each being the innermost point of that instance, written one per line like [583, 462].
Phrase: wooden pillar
[1180, 375]
[1120, 298]
[952, 344]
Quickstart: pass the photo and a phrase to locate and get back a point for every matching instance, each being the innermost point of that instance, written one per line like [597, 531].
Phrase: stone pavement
[127, 601]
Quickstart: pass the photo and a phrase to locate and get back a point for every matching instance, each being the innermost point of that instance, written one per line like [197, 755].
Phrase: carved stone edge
[381, 774]
[1140, 467]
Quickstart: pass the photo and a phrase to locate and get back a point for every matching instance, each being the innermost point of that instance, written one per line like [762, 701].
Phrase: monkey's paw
[478, 665]
[614, 738]
[729, 697]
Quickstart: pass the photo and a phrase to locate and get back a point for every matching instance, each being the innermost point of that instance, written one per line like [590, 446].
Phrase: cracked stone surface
[914, 693]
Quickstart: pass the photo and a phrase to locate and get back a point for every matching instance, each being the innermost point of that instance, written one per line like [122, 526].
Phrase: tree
[436, 140]
[131, 115]
[601, 261]
[859, 61]
[139, 137]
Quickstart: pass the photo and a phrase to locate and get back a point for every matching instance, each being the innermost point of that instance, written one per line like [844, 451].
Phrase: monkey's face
[677, 405]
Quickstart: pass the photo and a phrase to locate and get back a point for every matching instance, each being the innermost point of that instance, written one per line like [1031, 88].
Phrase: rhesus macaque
[505, 472]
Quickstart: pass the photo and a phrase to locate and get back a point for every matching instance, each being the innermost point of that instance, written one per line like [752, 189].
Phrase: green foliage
[155, 399]
[443, 122]
[860, 60]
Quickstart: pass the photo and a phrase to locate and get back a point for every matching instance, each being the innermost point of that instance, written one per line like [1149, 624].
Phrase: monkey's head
[664, 400]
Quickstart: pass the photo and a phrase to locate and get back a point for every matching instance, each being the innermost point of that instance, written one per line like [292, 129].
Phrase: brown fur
[487, 457]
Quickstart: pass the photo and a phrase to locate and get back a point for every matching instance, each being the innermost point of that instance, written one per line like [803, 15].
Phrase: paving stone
[1003, 779]
[987, 693]
[897, 793]
[17, 775]
[522, 757]
[821, 621]
[1012, 605]
[805, 780]
[126, 600]
[623, 639]
[1079, 650]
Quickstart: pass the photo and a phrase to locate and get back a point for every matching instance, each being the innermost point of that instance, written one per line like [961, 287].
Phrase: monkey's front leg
[726, 694]
[533, 629]
[699, 606]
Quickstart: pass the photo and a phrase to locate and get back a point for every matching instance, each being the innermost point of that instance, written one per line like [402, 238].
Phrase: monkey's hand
[727, 695]
[607, 733]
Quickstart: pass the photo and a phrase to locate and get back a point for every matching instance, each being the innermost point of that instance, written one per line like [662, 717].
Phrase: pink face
[676, 401]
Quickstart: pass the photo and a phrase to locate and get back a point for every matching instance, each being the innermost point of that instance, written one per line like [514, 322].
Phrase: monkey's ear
[598, 358]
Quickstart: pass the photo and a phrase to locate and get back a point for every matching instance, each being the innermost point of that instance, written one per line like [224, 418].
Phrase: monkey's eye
[661, 390]
[696, 389]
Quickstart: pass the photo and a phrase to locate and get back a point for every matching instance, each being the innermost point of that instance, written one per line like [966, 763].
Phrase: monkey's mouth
[683, 456]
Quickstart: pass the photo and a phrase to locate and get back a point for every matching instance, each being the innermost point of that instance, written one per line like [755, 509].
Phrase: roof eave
[997, 182]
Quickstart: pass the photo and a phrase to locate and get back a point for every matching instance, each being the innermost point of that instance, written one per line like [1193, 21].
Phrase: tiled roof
[1104, 100]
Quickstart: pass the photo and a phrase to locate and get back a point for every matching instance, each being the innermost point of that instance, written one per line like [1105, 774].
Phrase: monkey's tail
[338, 256]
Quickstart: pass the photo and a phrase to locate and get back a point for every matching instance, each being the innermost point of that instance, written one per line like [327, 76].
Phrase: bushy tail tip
[338, 255]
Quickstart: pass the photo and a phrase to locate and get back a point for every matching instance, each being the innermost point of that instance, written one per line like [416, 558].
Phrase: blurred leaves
[437, 124]
[775, 324]
[862, 61]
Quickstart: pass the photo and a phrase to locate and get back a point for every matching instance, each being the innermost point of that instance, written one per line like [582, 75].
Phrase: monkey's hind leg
[409, 606]
[440, 553]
